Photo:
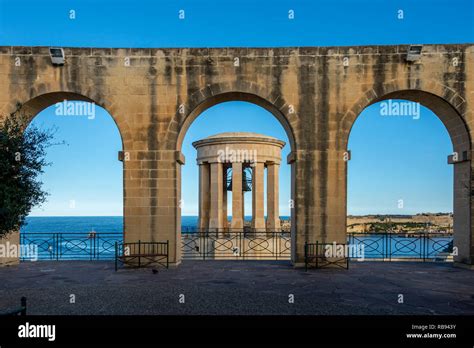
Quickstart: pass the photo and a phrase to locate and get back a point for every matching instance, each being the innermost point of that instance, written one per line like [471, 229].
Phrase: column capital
[272, 163]
[291, 158]
[459, 157]
[179, 157]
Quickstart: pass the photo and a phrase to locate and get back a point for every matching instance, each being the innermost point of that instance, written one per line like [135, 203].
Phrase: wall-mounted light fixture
[57, 55]
[414, 53]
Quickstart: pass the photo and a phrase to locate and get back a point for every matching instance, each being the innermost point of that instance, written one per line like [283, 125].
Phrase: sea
[56, 236]
[69, 224]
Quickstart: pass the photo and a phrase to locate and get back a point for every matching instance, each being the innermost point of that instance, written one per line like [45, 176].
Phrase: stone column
[320, 200]
[224, 198]
[237, 197]
[12, 239]
[216, 199]
[273, 212]
[258, 218]
[203, 196]
[152, 193]
[463, 239]
[243, 205]
[243, 208]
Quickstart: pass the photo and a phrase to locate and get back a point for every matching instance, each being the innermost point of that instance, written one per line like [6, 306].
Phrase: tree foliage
[22, 160]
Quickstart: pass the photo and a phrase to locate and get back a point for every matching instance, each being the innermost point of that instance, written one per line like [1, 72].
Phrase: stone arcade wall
[7, 242]
[315, 92]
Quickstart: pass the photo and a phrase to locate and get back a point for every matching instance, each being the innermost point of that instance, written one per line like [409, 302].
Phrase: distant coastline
[422, 222]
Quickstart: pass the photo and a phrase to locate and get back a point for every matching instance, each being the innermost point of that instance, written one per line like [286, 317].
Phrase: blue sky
[392, 158]
[155, 23]
[232, 117]
[85, 177]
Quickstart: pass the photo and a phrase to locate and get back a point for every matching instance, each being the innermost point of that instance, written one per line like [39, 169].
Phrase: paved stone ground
[238, 287]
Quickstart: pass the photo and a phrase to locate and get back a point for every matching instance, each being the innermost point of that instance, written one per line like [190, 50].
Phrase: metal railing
[241, 245]
[72, 245]
[236, 245]
[425, 246]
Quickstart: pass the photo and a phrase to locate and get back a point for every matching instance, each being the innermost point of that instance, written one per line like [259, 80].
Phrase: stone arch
[450, 108]
[35, 105]
[215, 94]
[211, 95]
[32, 107]
[446, 103]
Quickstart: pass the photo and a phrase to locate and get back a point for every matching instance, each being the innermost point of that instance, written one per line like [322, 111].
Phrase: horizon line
[348, 215]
